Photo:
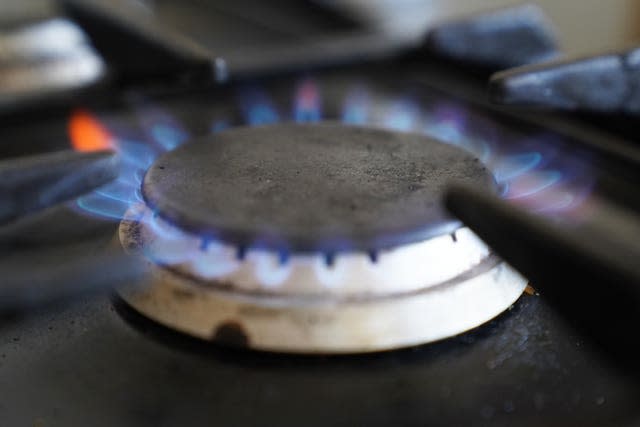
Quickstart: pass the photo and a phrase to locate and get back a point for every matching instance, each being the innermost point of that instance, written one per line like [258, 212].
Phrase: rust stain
[530, 290]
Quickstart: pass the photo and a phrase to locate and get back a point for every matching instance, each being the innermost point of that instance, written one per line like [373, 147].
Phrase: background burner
[311, 187]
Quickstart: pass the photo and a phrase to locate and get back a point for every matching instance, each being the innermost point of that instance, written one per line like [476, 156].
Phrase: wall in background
[584, 26]
[593, 25]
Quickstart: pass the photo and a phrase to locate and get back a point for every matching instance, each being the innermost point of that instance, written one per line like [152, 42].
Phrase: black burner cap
[311, 187]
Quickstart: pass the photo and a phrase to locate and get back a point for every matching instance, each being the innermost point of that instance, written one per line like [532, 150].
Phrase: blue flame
[258, 108]
[562, 203]
[446, 131]
[479, 147]
[356, 107]
[219, 126]
[211, 268]
[522, 175]
[106, 207]
[447, 123]
[451, 133]
[135, 154]
[169, 137]
[163, 229]
[269, 270]
[161, 127]
[215, 263]
[513, 166]
[402, 116]
[131, 177]
[121, 191]
[307, 103]
[170, 252]
[330, 276]
[533, 184]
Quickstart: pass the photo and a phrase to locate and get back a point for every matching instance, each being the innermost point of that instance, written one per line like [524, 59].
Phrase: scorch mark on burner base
[231, 333]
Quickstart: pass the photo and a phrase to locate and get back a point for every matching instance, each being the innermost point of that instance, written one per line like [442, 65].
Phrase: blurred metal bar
[317, 53]
[35, 231]
[35, 278]
[606, 83]
[498, 39]
[44, 61]
[139, 48]
[33, 183]
[77, 69]
[589, 270]
[41, 40]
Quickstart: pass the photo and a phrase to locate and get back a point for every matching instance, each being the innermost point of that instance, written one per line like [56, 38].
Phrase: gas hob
[363, 196]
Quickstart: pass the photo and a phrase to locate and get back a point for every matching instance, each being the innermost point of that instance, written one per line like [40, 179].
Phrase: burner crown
[311, 187]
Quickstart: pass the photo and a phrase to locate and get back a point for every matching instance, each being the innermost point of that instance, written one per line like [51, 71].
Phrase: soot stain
[231, 333]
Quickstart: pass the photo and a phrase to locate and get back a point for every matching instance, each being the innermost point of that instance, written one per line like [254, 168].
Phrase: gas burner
[314, 238]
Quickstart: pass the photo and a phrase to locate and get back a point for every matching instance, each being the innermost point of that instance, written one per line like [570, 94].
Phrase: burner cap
[311, 187]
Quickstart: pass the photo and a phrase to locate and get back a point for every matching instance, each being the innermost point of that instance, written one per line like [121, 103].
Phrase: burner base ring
[327, 326]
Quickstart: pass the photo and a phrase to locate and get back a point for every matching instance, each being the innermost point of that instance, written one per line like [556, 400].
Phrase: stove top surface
[99, 363]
